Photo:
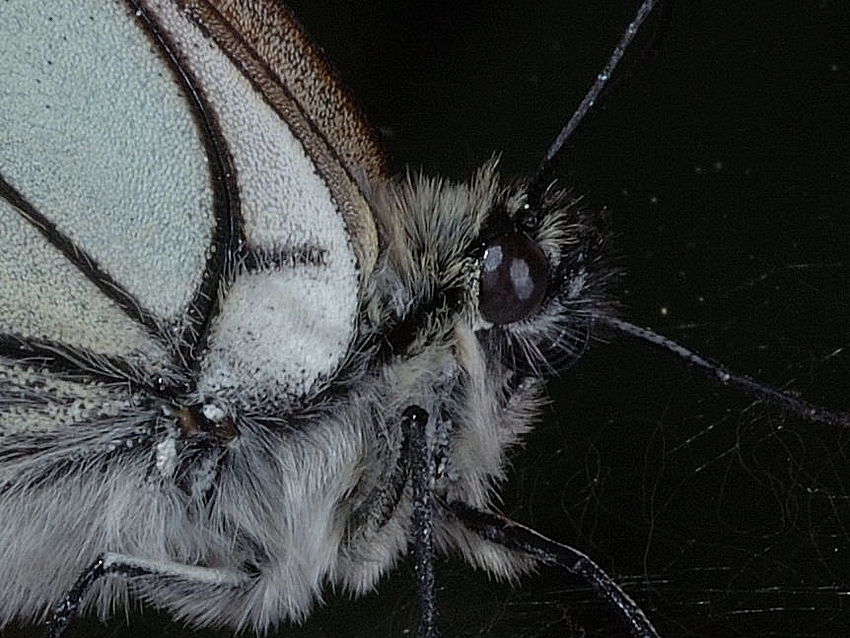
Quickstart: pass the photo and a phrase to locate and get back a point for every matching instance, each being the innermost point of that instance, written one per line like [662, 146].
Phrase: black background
[723, 156]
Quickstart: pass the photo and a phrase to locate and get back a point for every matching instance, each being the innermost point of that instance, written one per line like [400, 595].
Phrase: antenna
[544, 171]
[720, 374]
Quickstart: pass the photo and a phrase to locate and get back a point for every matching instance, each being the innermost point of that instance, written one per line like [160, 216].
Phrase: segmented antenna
[720, 374]
[544, 171]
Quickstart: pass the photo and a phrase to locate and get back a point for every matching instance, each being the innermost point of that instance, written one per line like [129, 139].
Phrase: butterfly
[595, 351]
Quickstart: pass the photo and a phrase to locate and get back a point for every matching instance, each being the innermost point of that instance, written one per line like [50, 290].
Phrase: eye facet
[514, 278]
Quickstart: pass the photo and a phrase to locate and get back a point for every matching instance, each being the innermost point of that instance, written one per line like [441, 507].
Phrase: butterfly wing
[181, 212]
[140, 151]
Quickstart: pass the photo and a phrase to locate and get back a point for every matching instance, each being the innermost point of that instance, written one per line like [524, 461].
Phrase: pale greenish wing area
[287, 326]
[96, 134]
[44, 297]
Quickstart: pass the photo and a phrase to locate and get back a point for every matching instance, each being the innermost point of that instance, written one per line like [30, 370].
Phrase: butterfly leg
[109, 564]
[519, 538]
[414, 420]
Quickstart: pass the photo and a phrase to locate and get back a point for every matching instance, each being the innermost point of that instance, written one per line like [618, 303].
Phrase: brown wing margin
[266, 41]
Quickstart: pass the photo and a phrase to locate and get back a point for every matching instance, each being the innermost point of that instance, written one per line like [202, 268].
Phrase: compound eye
[514, 278]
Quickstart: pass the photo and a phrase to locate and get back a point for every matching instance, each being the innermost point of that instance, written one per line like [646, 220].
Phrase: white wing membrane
[44, 298]
[102, 139]
[96, 134]
[306, 310]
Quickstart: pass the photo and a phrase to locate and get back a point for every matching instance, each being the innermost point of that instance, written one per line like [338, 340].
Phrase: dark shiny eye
[514, 278]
